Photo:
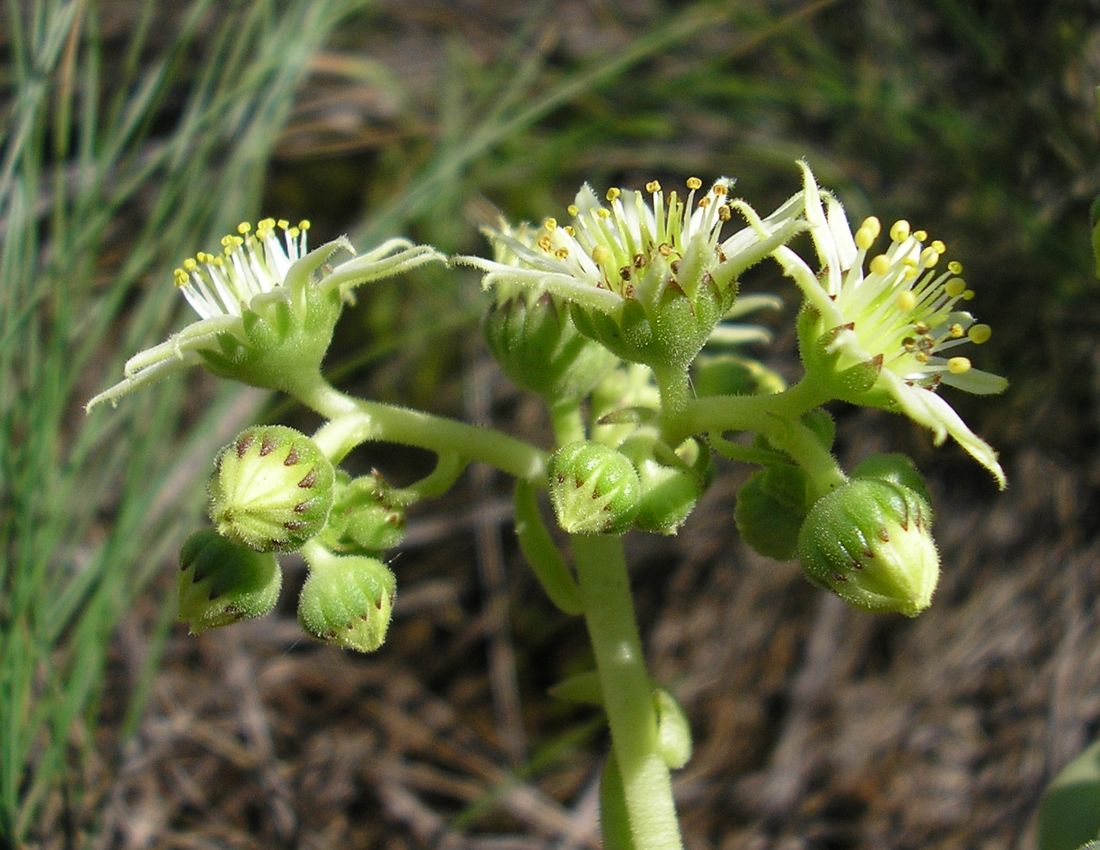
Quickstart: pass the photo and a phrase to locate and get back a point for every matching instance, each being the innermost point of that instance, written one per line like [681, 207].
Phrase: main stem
[627, 691]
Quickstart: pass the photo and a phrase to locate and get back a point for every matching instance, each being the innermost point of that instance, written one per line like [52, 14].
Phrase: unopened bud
[365, 518]
[870, 542]
[348, 601]
[669, 493]
[593, 488]
[272, 489]
[770, 509]
[222, 582]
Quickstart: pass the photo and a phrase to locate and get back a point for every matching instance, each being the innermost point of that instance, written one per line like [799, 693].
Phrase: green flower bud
[770, 509]
[348, 601]
[272, 489]
[365, 516]
[533, 339]
[897, 469]
[593, 488]
[221, 582]
[870, 542]
[669, 493]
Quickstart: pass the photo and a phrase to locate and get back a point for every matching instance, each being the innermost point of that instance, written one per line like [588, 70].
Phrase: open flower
[649, 275]
[896, 319]
[266, 305]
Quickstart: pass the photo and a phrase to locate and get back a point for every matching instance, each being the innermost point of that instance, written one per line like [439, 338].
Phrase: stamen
[958, 365]
[979, 334]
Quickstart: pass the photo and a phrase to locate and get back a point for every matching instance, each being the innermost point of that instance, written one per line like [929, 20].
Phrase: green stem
[355, 421]
[676, 396]
[744, 412]
[627, 691]
[566, 419]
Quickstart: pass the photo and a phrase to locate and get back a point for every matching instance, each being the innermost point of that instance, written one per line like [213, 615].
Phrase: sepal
[347, 600]
[272, 489]
[870, 542]
[593, 488]
[223, 582]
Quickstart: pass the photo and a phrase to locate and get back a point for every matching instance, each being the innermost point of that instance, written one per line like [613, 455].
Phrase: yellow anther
[920, 235]
[880, 264]
[694, 183]
[664, 249]
[956, 331]
[599, 254]
[906, 301]
[968, 295]
[613, 193]
[572, 231]
[921, 328]
[573, 209]
[217, 261]
[293, 232]
[955, 287]
[979, 334]
[180, 277]
[899, 232]
[190, 265]
[653, 186]
[704, 201]
[955, 267]
[603, 213]
[283, 223]
[244, 227]
[921, 357]
[865, 237]
[720, 188]
[725, 213]
[304, 224]
[938, 246]
[561, 253]
[911, 272]
[929, 257]
[872, 225]
[550, 224]
[227, 241]
[265, 224]
[545, 243]
[958, 365]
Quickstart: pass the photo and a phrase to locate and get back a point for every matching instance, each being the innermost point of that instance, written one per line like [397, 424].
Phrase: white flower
[263, 274]
[901, 313]
[636, 246]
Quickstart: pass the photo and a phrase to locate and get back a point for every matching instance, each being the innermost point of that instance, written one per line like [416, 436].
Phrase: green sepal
[849, 382]
[870, 543]
[222, 582]
[272, 489]
[1069, 811]
[665, 334]
[347, 601]
[594, 489]
[283, 346]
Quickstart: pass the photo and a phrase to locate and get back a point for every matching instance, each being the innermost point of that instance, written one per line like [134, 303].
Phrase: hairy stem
[627, 691]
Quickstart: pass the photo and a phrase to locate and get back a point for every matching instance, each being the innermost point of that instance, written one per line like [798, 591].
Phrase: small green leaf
[1069, 812]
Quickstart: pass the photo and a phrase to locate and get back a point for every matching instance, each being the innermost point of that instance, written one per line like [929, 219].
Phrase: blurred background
[134, 133]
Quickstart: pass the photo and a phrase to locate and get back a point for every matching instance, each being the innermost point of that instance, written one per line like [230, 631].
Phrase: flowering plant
[604, 318]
